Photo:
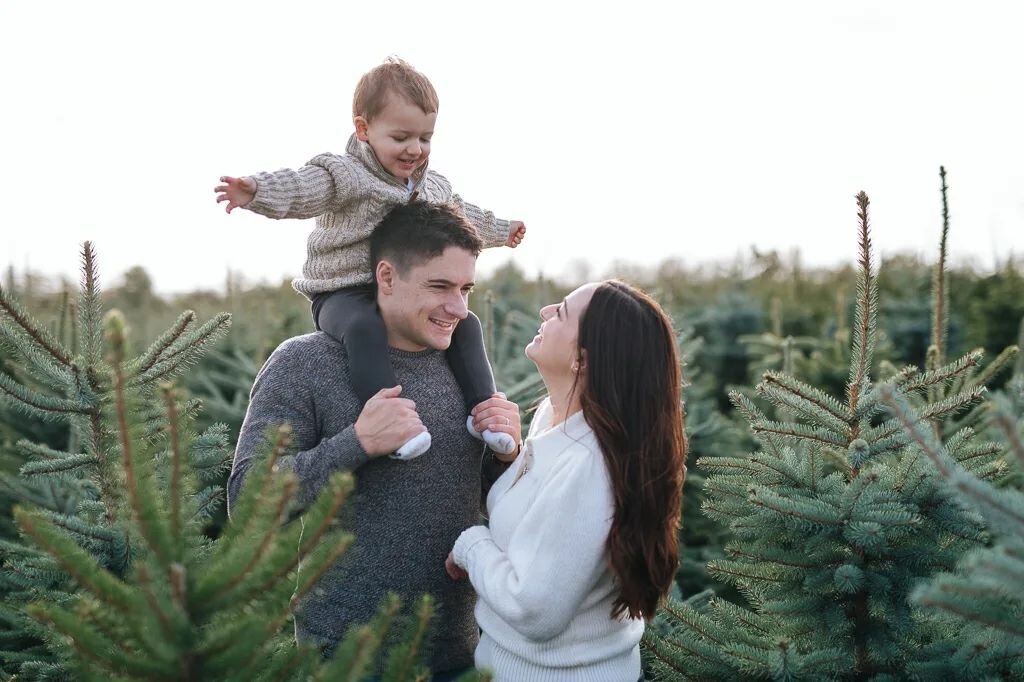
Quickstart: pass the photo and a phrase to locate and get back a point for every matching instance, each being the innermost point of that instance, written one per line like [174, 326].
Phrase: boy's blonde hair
[394, 76]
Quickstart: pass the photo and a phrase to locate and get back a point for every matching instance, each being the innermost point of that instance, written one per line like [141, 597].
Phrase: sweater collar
[556, 438]
[364, 152]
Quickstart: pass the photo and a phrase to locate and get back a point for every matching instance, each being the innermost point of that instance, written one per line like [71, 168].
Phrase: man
[405, 514]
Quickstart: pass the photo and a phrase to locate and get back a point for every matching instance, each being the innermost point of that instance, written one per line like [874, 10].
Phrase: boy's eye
[398, 139]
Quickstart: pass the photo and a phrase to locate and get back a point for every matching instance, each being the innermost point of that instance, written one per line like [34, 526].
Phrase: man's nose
[457, 307]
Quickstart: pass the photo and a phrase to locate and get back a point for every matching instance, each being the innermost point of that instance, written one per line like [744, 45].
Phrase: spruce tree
[700, 538]
[978, 608]
[507, 330]
[68, 385]
[126, 585]
[834, 520]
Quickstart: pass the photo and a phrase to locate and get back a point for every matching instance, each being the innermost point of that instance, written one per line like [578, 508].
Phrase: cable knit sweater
[349, 195]
[541, 572]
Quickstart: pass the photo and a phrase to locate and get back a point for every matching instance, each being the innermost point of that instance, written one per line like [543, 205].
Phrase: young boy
[394, 109]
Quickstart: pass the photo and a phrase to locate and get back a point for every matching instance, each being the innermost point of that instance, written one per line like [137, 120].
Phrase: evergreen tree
[507, 331]
[78, 487]
[701, 538]
[978, 608]
[126, 585]
[834, 519]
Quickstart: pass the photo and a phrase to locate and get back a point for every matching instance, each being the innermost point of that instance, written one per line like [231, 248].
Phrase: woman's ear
[362, 126]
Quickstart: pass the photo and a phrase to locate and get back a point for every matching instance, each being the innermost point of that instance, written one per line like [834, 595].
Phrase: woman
[582, 540]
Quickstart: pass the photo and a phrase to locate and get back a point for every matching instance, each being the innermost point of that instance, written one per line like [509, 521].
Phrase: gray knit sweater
[349, 195]
[405, 515]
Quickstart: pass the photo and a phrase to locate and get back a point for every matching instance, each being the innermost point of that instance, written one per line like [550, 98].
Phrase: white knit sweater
[349, 195]
[541, 569]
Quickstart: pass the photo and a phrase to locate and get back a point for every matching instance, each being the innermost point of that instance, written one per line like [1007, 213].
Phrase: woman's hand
[454, 571]
[499, 414]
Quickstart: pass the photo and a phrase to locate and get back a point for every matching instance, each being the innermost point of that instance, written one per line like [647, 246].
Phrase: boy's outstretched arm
[318, 187]
[493, 231]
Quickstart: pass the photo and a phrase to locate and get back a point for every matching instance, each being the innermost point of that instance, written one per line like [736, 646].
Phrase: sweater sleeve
[324, 184]
[493, 231]
[280, 395]
[554, 558]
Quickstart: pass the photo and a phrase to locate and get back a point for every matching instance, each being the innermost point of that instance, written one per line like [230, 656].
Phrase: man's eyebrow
[449, 283]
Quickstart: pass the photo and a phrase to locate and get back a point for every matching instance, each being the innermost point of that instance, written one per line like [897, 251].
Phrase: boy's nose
[414, 149]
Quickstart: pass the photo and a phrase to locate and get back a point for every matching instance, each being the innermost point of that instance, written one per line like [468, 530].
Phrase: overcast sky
[632, 131]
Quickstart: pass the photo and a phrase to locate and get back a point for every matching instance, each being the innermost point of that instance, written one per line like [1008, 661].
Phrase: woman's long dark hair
[632, 399]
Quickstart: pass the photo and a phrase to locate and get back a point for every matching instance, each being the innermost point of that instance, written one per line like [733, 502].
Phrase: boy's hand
[236, 191]
[516, 232]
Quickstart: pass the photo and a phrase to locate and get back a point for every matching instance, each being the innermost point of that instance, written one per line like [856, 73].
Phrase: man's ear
[362, 125]
[385, 275]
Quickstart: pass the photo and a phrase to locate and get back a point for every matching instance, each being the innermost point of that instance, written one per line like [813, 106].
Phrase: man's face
[399, 136]
[422, 304]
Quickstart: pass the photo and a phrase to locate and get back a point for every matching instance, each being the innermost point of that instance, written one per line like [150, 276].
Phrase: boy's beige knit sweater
[349, 195]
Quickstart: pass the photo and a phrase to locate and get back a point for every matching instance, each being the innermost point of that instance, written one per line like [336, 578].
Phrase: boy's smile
[399, 136]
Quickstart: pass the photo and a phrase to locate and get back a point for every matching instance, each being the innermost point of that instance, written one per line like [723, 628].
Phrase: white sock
[413, 448]
[502, 443]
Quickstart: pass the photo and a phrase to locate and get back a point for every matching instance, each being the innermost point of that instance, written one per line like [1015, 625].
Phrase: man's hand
[454, 571]
[498, 414]
[387, 422]
[237, 192]
[516, 232]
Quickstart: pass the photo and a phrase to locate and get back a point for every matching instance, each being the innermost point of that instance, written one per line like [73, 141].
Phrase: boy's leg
[468, 359]
[350, 316]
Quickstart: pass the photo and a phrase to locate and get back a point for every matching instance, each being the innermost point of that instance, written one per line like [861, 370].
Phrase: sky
[619, 132]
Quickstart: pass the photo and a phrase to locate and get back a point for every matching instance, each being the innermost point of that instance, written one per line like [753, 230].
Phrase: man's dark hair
[411, 234]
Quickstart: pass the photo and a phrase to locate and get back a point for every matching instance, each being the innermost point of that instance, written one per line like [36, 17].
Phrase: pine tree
[57, 383]
[979, 607]
[127, 585]
[14, 428]
[834, 520]
[507, 330]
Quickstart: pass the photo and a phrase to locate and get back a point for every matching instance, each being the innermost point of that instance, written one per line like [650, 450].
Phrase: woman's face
[554, 349]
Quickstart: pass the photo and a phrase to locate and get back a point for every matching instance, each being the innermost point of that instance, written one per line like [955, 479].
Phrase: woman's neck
[564, 407]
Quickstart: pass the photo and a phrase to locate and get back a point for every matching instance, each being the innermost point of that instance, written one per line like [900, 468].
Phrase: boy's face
[399, 136]
[422, 305]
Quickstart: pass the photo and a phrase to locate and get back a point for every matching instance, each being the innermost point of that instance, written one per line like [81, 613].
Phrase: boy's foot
[499, 442]
[413, 448]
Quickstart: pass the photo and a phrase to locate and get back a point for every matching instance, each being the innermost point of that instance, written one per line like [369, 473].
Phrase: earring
[575, 367]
